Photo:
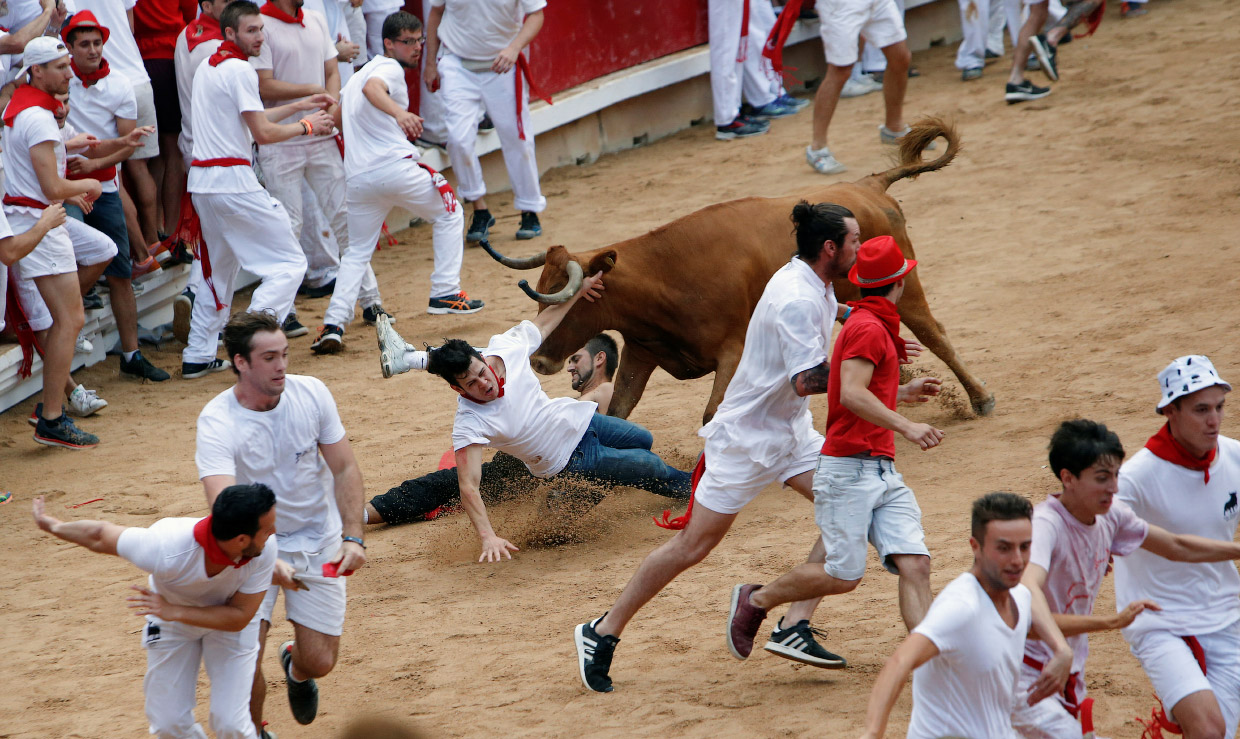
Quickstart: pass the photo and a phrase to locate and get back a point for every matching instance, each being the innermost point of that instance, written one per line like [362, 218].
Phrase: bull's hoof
[984, 407]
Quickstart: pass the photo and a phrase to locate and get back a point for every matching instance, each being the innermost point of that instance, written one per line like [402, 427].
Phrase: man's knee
[693, 548]
[1199, 715]
[915, 567]
[316, 664]
[898, 56]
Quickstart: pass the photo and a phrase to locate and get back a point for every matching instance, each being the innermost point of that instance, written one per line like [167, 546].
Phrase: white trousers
[317, 241]
[374, 30]
[462, 91]
[250, 230]
[981, 22]
[872, 57]
[724, 19]
[431, 106]
[356, 23]
[371, 197]
[1016, 14]
[761, 84]
[173, 654]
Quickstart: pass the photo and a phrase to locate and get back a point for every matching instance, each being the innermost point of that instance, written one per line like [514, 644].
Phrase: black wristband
[355, 540]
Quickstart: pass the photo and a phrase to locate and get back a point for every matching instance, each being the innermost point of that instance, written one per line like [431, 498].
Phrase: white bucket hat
[1185, 376]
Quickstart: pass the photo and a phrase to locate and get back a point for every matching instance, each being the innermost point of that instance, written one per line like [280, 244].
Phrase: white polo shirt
[540, 431]
[32, 126]
[296, 54]
[967, 690]
[789, 332]
[221, 94]
[279, 448]
[481, 29]
[94, 109]
[1196, 598]
[186, 63]
[123, 52]
[177, 563]
[371, 137]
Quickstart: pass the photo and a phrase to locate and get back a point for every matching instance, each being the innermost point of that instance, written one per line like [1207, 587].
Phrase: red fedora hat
[84, 19]
[880, 262]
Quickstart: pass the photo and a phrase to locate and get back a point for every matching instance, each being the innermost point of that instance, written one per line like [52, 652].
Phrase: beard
[252, 551]
[582, 379]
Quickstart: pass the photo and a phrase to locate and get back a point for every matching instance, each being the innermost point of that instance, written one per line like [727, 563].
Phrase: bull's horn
[527, 263]
[575, 277]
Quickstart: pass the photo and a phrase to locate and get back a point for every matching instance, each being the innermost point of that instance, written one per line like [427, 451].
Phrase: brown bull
[682, 294]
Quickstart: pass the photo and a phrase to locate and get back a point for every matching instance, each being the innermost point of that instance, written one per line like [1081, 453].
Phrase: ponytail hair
[817, 224]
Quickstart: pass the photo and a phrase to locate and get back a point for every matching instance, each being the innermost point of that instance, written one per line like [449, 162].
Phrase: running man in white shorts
[762, 433]
[284, 431]
[965, 655]
[208, 578]
[1186, 480]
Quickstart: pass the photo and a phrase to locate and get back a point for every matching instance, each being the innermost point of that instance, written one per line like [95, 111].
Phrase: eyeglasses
[411, 41]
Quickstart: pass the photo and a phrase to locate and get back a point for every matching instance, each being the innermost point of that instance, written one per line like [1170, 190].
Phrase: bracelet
[355, 540]
[847, 313]
[307, 127]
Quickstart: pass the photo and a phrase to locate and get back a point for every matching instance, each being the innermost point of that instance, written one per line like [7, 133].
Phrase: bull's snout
[544, 366]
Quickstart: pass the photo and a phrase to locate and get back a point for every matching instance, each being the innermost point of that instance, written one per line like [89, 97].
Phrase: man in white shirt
[284, 431]
[965, 655]
[762, 433]
[208, 577]
[474, 49]
[242, 225]
[195, 45]
[1185, 480]
[383, 173]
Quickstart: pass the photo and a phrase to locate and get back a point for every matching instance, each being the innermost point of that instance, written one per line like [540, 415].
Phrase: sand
[1076, 245]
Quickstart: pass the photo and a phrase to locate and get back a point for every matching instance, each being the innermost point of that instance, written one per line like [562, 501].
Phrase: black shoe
[92, 301]
[1026, 90]
[139, 367]
[329, 341]
[322, 291]
[62, 432]
[426, 143]
[303, 697]
[797, 643]
[480, 226]
[372, 313]
[182, 314]
[972, 73]
[530, 227]
[991, 56]
[485, 125]
[1046, 54]
[594, 653]
[292, 327]
[192, 370]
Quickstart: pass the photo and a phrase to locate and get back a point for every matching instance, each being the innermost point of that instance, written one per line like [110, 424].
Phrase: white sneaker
[394, 351]
[83, 402]
[83, 345]
[822, 161]
[858, 87]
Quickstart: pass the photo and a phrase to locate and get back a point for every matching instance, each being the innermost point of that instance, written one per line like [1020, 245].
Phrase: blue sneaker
[788, 101]
[530, 227]
[771, 110]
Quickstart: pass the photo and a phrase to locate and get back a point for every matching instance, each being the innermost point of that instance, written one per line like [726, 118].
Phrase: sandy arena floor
[1075, 246]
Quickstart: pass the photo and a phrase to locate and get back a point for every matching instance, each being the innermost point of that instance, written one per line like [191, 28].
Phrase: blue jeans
[617, 451]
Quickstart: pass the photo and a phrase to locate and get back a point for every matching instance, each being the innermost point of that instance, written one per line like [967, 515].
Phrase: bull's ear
[602, 262]
[557, 256]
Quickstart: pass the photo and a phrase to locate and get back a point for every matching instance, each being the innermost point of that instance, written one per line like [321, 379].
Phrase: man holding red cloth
[858, 493]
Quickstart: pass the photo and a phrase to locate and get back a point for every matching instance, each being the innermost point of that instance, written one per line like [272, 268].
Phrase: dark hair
[237, 509]
[81, 29]
[400, 21]
[878, 292]
[607, 345]
[998, 507]
[1079, 443]
[232, 15]
[815, 224]
[451, 360]
[240, 330]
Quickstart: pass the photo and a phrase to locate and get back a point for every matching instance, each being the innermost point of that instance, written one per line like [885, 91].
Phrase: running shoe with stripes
[797, 643]
[62, 432]
[330, 340]
[394, 351]
[594, 653]
[458, 303]
[744, 620]
[303, 697]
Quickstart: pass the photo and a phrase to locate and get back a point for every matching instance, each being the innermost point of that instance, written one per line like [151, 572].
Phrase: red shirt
[863, 337]
[156, 24]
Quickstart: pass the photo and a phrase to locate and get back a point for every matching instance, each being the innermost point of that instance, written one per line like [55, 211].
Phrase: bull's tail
[912, 145]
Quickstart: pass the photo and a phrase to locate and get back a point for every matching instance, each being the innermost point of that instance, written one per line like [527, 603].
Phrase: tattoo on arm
[812, 381]
[1076, 12]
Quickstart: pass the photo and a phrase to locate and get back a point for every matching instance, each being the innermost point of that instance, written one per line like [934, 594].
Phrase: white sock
[129, 355]
[416, 358]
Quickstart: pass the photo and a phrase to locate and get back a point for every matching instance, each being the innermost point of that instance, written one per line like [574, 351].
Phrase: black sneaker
[322, 291]
[480, 226]
[744, 620]
[62, 432]
[139, 367]
[459, 303]
[182, 314]
[329, 341]
[797, 643]
[92, 301]
[1026, 90]
[193, 370]
[485, 125]
[991, 56]
[530, 227]
[426, 143]
[303, 697]
[1046, 54]
[292, 327]
[742, 127]
[594, 653]
[372, 313]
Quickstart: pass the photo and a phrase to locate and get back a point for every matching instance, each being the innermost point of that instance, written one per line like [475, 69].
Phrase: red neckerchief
[498, 380]
[227, 50]
[1164, 446]
[270, 10]
[202, 29]
[773, 49]
[886, 312]
[93, 77]
[211, 547]
[28, 96]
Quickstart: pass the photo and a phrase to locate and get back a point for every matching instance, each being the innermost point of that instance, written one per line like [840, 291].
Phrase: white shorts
[146, 117]
[843, 21]
[1175, 674]
[53, 255]
[1046, 719]
[322, 606]
[90, 245]
[858, 499]
[37, 315]
[732, 479]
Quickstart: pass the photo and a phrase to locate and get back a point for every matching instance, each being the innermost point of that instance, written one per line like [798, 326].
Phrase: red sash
[271, 11]
[522, 76]
[28, 96]
[211, 547]
[24, 202]
[774, 47]
[15, 317]
[445, 190]
[742, 51]
[680, 522]
[92, 77]
[202, 29]
[227, 50]
[1159, 721]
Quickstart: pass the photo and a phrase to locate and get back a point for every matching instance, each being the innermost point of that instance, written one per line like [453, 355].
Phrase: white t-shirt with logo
[280, 448]
[94, 109]
[177, 563]
[122, 49]
[33, 126]
[186, 63]
[221, 94]
[1075, 558]
[1196, 598]
[789, 332]
[372, 138]
[540, 431]
[296, 54]
[968, 688]
[481, 29]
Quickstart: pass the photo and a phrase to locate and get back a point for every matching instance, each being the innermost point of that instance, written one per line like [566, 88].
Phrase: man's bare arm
[97, 536]
[812, 381]
[912, 653]
[234, 615]
[469, 478]
[350, 500]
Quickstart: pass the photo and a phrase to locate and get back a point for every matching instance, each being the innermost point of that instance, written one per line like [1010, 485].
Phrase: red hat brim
[854, 278]
[73, 25]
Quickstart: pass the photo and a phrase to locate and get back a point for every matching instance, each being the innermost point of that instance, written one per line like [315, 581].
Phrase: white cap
[1185, 376]
[41, 50]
